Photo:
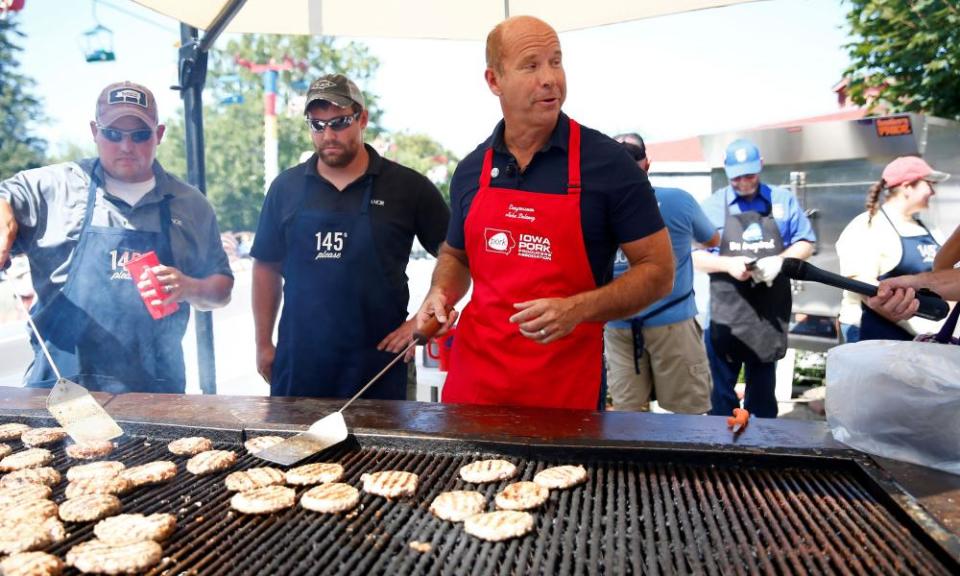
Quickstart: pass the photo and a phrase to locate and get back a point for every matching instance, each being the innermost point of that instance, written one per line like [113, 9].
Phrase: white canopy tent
[439, 19]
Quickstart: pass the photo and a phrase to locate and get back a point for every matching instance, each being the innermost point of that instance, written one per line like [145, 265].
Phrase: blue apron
[337, 306]
[97, 327]
[917, 254]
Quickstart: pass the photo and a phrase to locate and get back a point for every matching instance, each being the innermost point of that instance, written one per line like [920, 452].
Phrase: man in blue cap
[750, 301]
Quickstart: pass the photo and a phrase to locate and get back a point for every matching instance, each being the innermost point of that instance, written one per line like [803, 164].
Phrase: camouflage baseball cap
[126, 99]
[336, 89]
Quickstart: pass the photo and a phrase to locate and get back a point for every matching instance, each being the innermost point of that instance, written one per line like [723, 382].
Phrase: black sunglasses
[116, 135]
[338, 124]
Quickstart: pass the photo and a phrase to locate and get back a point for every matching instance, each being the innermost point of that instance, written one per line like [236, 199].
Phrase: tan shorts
[674, 363]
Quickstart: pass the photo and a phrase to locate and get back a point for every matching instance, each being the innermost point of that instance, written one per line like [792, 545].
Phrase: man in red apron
[538, 211]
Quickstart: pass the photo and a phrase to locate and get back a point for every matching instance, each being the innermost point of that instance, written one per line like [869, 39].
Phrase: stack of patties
[259, 491]
[124, 544]
[92, 492]
[28, 518]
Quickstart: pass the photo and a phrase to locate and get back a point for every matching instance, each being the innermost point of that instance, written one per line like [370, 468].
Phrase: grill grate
[663, 514]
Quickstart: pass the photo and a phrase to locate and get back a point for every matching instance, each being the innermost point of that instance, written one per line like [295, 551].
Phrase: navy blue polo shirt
[404, 205]
[617, 203]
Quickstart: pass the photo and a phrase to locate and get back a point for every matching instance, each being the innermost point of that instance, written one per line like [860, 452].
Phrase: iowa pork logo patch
[498, 241]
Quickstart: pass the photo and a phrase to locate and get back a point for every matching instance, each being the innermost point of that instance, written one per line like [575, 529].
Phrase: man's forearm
[709, 262]
[636, 289]
[8, 231]
[800, 250]
[266, 295]
[210, 292]
[451, 277]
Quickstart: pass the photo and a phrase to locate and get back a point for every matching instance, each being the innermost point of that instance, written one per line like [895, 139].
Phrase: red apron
[523, 246]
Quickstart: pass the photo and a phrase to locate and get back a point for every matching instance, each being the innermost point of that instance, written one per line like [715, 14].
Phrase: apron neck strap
[573, 162]
[573, 159]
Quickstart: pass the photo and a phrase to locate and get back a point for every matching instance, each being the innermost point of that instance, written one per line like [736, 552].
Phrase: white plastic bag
[899, 400]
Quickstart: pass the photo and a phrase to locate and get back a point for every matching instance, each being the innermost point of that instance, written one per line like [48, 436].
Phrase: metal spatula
[332, 429]
[72, 405]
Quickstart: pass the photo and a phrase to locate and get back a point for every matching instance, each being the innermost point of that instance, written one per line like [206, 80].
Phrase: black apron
[97, 327]
[916, 256]
[748, 321]
[337, 306]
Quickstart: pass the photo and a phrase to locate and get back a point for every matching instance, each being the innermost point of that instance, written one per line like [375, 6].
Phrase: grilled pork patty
[488, 471]
[102, 558]
[521, 496]
[190, 446]
[211, 461]
[330, 497]
[31, 564]
[95, 470]
[90, 450]
[89, 507]
[244, 480]
[30, 458]
[499, 525]
[316, 473]
[458, 505]
[560, 477]
[46, 476]
[150, 473]
[390, 483]
[264, 500]
[130, 528]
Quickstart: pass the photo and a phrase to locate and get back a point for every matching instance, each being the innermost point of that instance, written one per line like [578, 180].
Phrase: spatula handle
[429, 330]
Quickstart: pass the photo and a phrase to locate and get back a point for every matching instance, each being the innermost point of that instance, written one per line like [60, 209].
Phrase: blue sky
[667, 77]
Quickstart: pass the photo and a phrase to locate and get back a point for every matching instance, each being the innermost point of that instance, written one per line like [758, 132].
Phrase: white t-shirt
[129, 192]
[870, 250]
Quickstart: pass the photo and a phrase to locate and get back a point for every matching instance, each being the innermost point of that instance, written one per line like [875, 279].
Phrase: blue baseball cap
[743, 157]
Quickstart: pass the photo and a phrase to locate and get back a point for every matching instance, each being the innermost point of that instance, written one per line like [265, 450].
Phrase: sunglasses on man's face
[116, 135]
[338, 124]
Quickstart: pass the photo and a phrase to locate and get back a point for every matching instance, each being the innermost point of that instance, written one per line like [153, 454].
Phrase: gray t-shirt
[49, 204]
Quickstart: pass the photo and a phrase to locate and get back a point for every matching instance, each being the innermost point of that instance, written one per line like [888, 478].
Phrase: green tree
[423, 154]
[233, 133]
[905, 54]
[20, 149]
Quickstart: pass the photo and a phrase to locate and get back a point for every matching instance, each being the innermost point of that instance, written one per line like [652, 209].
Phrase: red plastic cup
[136, 268]
[439, 349]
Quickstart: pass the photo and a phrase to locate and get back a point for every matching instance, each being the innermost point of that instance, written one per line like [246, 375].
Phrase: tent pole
[193, 75]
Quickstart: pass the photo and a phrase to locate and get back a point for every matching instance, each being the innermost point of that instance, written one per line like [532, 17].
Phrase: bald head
[504, 32]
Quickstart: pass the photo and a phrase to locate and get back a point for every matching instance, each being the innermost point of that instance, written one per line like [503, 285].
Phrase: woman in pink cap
[886, 241]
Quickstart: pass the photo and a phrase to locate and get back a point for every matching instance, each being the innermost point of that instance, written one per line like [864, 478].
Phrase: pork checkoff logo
[527, 245]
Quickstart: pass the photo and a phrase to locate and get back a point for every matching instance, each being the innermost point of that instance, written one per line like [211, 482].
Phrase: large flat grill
[641, 512]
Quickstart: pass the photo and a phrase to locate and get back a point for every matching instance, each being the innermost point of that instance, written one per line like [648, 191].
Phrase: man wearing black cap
[80, 222]
[334, 238]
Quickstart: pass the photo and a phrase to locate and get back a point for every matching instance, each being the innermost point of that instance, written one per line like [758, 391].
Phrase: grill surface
[639, 513]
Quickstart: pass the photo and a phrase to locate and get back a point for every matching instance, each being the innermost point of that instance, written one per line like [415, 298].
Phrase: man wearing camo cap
[80, 222]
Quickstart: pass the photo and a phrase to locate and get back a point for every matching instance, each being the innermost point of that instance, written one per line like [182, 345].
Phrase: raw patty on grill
[31, 564]
[253, 478]
[330, 497]
[46, 476]
[150, 473]
[560, 477]
[29, 458]
[264, 500]
[5, 450]
[521, 496]
[458, 505]
[211, 461]
[390, 483]
[89, 507]
[12, 430]
[17, 494]
[104, 469]
[316, 473]
[100, 557]
[28, 511]
[41, 436]
[115, 485]
[259, 443]
[27, 536]
[130, 528]
[190, 446]
[488, 471]
[499, 525]
[90, 450]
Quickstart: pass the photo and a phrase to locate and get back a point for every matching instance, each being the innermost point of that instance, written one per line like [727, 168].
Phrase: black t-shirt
[403, 204]
[617, 203]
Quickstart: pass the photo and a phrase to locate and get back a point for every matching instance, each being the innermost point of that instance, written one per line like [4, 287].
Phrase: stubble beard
[336, 157]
